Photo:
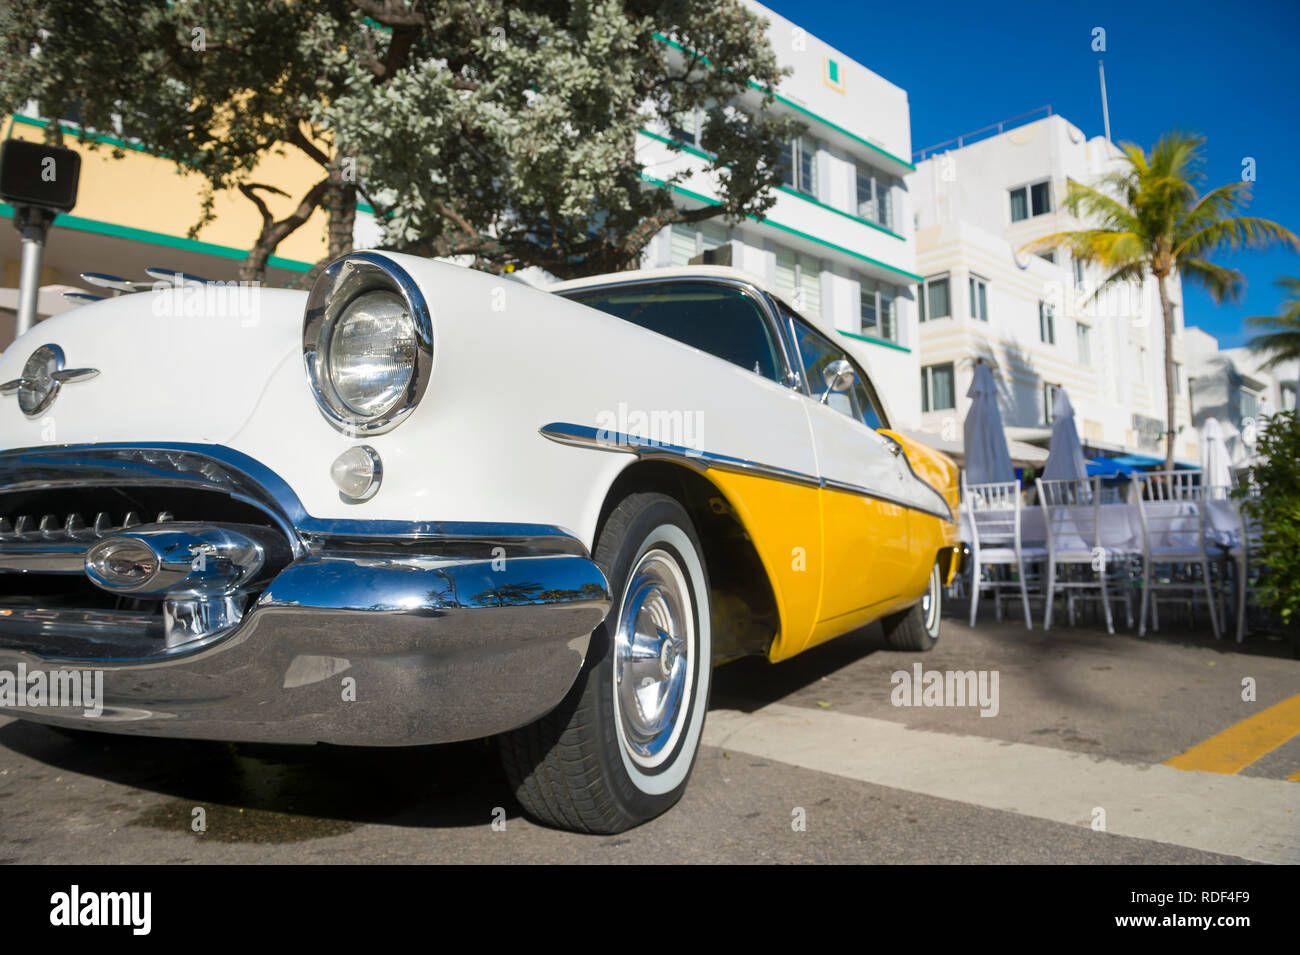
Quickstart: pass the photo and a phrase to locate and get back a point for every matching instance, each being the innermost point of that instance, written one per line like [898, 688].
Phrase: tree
[1149, 219]
[498, 129]
[526, 115]
[1280, 339]
[1272, 501]
[215, 87]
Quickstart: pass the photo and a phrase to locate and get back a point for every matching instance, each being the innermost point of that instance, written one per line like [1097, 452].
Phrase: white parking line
[1257, 819]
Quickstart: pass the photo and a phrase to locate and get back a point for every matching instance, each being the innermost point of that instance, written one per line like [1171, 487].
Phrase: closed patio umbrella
[1065, 454]
[1216, 468]
[987, 457]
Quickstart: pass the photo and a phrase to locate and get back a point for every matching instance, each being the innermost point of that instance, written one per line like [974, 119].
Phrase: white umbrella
[1065, 454]
[1216, 467]
[987, 457]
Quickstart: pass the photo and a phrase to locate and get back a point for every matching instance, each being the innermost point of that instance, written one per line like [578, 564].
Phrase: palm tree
[1282, 336]
[1149, 219]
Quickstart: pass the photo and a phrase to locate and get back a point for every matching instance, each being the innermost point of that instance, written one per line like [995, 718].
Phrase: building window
[1049, 402]
[1287, 395]
[932, 295]
[1047, 323]
[979, 298]
[1178, 378]
[1031, 200]
[1140, 357]
[877, 304]
[937, 391]
[799, 161]
[690, 239]
[1083, 338]
[799, 281]
[1078, 272]
[833, 74]
[876, 197]
[1249, 406]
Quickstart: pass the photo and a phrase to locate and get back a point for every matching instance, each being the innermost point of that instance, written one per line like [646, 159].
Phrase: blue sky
[1229, 71]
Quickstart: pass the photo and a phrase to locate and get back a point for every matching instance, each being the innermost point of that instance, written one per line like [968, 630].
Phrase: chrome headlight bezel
[342, 283]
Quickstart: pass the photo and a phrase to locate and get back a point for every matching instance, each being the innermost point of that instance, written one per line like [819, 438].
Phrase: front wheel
[619, 749]
[917, 628]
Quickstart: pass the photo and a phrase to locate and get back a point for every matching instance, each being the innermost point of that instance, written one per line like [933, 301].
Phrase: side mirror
[838, 376]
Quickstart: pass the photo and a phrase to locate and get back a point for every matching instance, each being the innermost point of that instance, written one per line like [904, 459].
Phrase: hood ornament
[43, 376]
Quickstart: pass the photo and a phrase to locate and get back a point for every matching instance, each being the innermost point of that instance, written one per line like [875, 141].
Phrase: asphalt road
[1084, 722]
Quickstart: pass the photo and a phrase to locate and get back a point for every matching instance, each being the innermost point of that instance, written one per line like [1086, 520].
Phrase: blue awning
[1143, 462]
[1110, 467]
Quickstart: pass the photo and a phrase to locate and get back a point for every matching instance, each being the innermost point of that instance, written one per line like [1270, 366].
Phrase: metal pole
[1105, 110]
[34, 225]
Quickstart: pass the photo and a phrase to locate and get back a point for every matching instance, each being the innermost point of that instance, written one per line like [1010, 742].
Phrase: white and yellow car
[423, 503]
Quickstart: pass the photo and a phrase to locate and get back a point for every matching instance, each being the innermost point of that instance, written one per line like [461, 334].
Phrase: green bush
[1276, 508]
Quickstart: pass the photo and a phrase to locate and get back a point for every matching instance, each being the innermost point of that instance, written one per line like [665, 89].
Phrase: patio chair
[1171, 510]
[1070, 512]
[1238, 553]
[992, 513]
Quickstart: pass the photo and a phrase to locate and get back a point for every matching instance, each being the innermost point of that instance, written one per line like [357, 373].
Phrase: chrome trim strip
[219, 468]
[586, 437]
[583, 436]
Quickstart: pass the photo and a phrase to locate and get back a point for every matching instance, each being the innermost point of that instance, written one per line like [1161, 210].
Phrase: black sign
[33, 174]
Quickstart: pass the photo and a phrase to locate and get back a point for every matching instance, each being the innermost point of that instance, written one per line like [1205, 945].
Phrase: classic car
[421, 504]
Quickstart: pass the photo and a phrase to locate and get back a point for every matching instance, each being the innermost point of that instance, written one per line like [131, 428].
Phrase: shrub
[1276, 508]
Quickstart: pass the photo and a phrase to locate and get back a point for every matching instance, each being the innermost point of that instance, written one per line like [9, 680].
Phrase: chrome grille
[70, 528]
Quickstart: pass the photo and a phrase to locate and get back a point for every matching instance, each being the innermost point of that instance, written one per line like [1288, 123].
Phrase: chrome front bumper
[374, 634]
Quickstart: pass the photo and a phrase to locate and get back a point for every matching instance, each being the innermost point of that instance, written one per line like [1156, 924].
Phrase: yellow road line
[1242, 743]
[1294, 777]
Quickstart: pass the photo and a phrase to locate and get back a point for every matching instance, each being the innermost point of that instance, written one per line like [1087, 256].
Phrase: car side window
[720, 320]
[816, 351]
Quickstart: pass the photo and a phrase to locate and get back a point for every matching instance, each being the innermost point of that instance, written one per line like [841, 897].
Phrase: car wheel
[917, 628]
[620, 747]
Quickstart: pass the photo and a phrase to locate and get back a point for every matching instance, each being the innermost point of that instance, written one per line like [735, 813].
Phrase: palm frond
[1238, 232]
[1220, 281]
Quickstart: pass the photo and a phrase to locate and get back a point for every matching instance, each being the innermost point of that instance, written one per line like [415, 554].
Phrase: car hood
[184, 365]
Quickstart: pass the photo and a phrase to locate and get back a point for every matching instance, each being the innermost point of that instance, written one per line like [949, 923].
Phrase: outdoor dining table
[1121, 527]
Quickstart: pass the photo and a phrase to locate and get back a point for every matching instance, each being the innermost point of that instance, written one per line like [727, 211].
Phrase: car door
[866, 535]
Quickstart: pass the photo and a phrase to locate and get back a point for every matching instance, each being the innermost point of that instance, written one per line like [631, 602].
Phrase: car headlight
[367, 343]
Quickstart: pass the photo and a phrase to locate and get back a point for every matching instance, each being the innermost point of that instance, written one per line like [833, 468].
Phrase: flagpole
[1105, 109]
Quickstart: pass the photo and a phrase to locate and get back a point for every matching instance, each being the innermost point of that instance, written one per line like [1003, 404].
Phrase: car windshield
[717, 319]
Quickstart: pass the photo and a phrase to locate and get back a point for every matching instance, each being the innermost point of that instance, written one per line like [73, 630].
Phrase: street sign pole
[39, 181]
[34, 225]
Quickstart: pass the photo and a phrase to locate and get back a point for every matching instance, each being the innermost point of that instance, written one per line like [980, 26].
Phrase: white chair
[1070, 511]
[992, 513]
[1171, 509]
[1239, 553]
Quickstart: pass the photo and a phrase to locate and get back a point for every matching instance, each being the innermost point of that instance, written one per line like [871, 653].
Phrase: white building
[839, 240]
[1028, 315]
[1231, 386]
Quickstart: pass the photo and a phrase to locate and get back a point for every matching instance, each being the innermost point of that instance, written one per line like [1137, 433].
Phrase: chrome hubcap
[653, 657]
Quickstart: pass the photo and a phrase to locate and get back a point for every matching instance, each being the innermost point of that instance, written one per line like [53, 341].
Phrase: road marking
[1251, 817]
[1242, 743]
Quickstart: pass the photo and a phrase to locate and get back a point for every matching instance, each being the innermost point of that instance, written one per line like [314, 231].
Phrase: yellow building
[135, 211]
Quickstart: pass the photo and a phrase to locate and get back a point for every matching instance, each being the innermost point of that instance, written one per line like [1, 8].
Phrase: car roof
[850, 346]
